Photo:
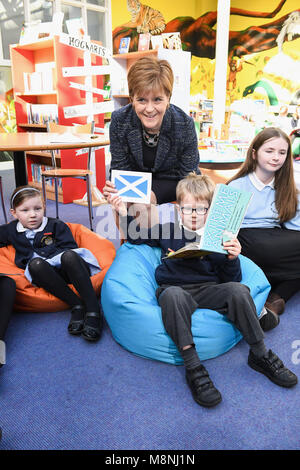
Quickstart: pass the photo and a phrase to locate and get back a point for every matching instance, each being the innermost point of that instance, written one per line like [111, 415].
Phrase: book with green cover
[224, 219]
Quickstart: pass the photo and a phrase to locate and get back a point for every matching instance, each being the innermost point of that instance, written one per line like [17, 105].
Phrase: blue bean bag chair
[134, 316]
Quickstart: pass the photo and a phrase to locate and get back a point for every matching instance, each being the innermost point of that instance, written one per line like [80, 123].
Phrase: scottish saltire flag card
[133, 186]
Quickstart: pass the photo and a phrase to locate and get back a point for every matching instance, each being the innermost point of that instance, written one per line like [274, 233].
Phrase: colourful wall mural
[264, 45]
[7, 107]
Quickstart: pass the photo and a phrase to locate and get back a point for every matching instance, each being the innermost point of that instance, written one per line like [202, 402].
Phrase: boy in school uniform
[212, 282]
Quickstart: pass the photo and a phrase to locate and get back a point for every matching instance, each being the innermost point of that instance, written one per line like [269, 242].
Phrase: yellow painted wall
[202, 69]
[196, 8]
[169, 9]
[202, 6]
[240, 22]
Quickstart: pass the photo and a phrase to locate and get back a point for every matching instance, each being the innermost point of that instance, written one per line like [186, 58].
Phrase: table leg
[20, 168]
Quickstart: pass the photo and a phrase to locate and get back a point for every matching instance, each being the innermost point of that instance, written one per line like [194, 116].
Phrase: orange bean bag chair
[35, 299]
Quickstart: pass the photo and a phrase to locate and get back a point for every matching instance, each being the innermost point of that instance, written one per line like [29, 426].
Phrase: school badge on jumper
[47, 239]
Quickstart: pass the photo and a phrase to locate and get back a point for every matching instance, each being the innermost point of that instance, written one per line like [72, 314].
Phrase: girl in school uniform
[47, 251]
[270, 233]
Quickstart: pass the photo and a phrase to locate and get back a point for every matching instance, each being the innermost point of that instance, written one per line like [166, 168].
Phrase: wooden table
[220, 165]
[219, 171]
[21, 142]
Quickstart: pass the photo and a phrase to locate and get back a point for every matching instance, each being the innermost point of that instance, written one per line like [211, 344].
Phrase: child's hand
[233, 247]
[108, 189]
[117, 204]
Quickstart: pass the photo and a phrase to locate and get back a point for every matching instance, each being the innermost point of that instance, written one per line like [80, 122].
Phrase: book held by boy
[224, 219]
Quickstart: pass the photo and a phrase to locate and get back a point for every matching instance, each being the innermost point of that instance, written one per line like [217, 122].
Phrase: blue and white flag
[133, 186]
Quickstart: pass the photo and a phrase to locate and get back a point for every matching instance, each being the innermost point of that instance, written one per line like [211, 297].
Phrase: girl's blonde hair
[21, 193]
[286, 199]
[201, 187]
[150, 73]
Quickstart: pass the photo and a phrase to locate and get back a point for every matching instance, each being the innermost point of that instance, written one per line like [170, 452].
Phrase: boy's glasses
[200, 210]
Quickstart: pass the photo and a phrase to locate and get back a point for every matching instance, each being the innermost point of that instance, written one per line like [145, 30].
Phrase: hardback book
[124, 45]
[224, 219]
[156, 41]
[171, 41]
[144, 41]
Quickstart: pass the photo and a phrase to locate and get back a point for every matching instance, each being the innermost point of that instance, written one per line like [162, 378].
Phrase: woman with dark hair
[270, 233]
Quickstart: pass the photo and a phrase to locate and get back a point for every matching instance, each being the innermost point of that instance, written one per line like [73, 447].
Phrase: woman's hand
[233, 247]
[117, 204]
[108, 189]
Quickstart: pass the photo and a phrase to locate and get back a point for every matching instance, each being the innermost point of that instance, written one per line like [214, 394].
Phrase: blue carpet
[60, 392]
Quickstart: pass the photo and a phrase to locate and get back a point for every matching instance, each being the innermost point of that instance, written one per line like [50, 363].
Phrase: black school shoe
[202, 388]
[269, 320]
[92, 330]
[76, 324]
[273, 368]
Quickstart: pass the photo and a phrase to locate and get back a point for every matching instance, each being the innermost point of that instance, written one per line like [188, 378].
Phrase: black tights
[73, 270]
[7, 299]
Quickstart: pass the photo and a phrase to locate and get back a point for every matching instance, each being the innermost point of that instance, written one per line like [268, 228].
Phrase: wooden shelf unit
[28, 58]
[33, 127]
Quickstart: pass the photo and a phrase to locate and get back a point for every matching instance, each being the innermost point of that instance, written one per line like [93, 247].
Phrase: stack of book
[40, 113]
[36, 172]
[41, 80]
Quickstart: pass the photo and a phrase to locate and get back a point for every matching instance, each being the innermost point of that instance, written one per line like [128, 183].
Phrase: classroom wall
[270, 74]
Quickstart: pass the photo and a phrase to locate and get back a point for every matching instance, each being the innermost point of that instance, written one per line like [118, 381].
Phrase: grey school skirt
[275, 250]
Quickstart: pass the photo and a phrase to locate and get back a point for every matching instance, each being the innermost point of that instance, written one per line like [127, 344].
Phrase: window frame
[57, 5]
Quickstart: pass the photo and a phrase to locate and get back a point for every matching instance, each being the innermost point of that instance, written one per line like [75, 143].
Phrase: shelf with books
[135, 55]
[46, 89]
[43, 157]
[36, 161]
